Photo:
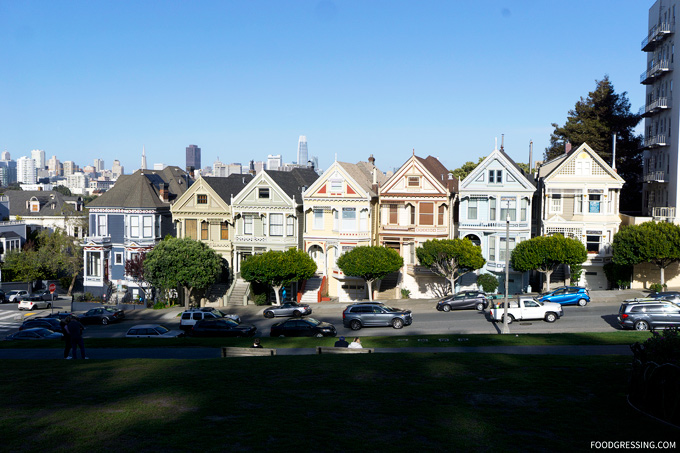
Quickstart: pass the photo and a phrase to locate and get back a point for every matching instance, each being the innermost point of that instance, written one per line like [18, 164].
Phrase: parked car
[152, 331]
[673, 296]
[307, 327]
[37, 333]
[567, 295]
[33, 302]
[46, 295]
[53, 324]
[221, 327]
[366, 314]
[16, 294]
[464, 300]
[526, 307]
[3, 297]
[60, 315]
[104, 315]
[288, 309]
[190, 317]
[648, 314]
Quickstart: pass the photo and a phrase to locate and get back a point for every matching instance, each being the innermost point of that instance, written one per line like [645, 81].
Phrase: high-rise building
[143, 167]
[38, 155]
[8, 170]
[26, 170]
[193, 157]
[274, 162]
[54, 166]
[302, 151]
[98, 165]
[117, 169]
[69, 167]
[661, 163]
[234, 169]
[5, 155]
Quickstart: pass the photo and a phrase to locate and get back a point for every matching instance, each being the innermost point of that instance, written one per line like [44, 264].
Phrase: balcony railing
[655, 36]
[655, 106]
[655, 176]
[664, 213]
[486, 224]
[655, 141]
[657, 70]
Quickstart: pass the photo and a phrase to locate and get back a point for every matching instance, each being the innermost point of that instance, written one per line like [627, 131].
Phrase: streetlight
[506, 329]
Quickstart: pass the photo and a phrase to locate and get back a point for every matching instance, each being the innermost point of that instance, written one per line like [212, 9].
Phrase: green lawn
[362, 403]
[586, 338]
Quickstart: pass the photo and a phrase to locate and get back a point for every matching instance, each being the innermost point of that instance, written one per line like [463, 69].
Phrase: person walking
[356, 344]
[67, 338]
[75, 330]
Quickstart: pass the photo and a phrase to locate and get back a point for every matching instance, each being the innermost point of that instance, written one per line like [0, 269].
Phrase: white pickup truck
[527, 308]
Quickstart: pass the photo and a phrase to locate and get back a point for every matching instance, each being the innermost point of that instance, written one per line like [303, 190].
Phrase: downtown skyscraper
[302, 155]
[193, 157]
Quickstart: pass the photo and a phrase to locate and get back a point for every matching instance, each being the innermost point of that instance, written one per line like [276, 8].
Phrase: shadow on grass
[404, 402]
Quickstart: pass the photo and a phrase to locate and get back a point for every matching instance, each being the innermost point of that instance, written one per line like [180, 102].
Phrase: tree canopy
[649, 242]
[461, 172]
[134, 268]
[545, 253]
[450, 258]
[370, 263]
[184, 263]
[594, 120]
[278, 268]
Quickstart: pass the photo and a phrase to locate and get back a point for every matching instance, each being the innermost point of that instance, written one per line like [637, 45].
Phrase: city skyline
[443, 78]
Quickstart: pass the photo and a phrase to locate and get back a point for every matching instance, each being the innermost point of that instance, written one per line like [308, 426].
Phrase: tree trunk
[662, 275]
[277, 288]
[369, 284]
[73, 283]
[547, 279]
[452, 282]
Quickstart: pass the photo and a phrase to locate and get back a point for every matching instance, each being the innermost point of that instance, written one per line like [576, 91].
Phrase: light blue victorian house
[495, 190]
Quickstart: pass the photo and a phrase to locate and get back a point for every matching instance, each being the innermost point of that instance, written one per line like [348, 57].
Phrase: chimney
[614, 152]
[531, 157]
[190, 170]
[371, 160]
[164, 192]
[567, 148]
[374, 172]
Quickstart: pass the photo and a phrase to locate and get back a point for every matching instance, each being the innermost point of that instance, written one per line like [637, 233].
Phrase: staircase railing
[323, 288]
[246, 295]
[301, 291]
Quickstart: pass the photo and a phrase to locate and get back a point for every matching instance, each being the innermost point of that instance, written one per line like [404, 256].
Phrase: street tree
[277, 269]
[545, 253]
[370, 263]
[450, 258]
[594, 120]
[461, 172]
[182, 264]
[649, 242]
[134, 269]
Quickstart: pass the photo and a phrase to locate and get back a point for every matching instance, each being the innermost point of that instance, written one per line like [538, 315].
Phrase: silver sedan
[288, 309]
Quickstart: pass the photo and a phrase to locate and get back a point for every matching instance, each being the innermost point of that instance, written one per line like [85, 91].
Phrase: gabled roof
[362, 174]
[142, 189]
[474, 174]
[229, 186]
[551, 168]
[434, 167]
[51, 202]
[293, 182]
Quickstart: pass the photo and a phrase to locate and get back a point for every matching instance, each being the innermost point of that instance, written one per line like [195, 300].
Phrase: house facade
[578, 196]
[132, 217]
[268, 213]
[48, 209]
[497, 189]
[341, 213]
[204, 212]
[416, 204]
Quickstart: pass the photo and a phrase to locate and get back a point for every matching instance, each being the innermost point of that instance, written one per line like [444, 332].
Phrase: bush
[617, 274]
[405, 293]
[656, 287]
[488, 282]
[261, 299]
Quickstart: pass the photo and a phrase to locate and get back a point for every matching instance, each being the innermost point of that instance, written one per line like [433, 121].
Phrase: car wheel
[510, 319]
[397, 323]
[550, 317]
[105, 321]
[446, 307]
[355, 324]
[319, 335]
[297, 314]
[49, 306]
[641, 325]
[480, 306]
[268, 314]
[582, 302]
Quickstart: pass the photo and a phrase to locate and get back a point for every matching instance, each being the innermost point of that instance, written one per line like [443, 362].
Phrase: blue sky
[243, 79]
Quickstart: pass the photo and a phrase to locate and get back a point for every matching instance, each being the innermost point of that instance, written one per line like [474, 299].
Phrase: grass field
[362, 403]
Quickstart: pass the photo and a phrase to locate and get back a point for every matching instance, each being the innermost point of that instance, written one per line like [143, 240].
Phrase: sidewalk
[214, 353]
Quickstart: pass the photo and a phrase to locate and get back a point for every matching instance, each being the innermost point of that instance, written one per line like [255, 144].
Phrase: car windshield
[313, 321]
[110, 310]
[392, 309]
[161, 329]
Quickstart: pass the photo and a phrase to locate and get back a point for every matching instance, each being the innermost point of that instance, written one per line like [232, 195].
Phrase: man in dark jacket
[75, 330]
[341, 343]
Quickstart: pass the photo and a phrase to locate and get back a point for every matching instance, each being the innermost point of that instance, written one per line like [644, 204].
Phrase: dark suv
[646, 314]
[464, 300]
[366, 314]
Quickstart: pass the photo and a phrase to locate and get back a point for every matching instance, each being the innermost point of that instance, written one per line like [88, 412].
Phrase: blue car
[567, 295]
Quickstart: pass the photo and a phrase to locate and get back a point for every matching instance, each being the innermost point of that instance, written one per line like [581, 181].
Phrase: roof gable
[435, 178]
[498, 159]
[583, 163]
[346, 180]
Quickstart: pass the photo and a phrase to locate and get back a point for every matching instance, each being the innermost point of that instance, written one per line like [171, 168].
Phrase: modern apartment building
[661, 164]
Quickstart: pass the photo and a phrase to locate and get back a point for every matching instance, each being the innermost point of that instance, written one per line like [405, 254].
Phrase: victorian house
[47, 209]
[495, 191]
[341, 212]
[416, 205]
[578, 196]
[131, 217]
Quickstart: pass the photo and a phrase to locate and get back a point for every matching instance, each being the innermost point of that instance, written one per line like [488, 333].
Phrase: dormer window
[495, 176]
[413, 181]
[263, 193]
[201, 199]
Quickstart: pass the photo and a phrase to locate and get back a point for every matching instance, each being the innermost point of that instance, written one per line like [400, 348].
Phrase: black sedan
[476, 300]
[308, 327]
[47, 323]
[104, 315]
[221, 327]
[288, 309]
[37, 333]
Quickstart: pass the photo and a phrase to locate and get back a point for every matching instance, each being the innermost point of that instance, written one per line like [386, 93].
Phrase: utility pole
[506, 328]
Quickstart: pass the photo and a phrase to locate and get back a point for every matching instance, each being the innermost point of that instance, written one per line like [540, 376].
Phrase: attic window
[263, 192]
[201, 199]
[413, 181]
